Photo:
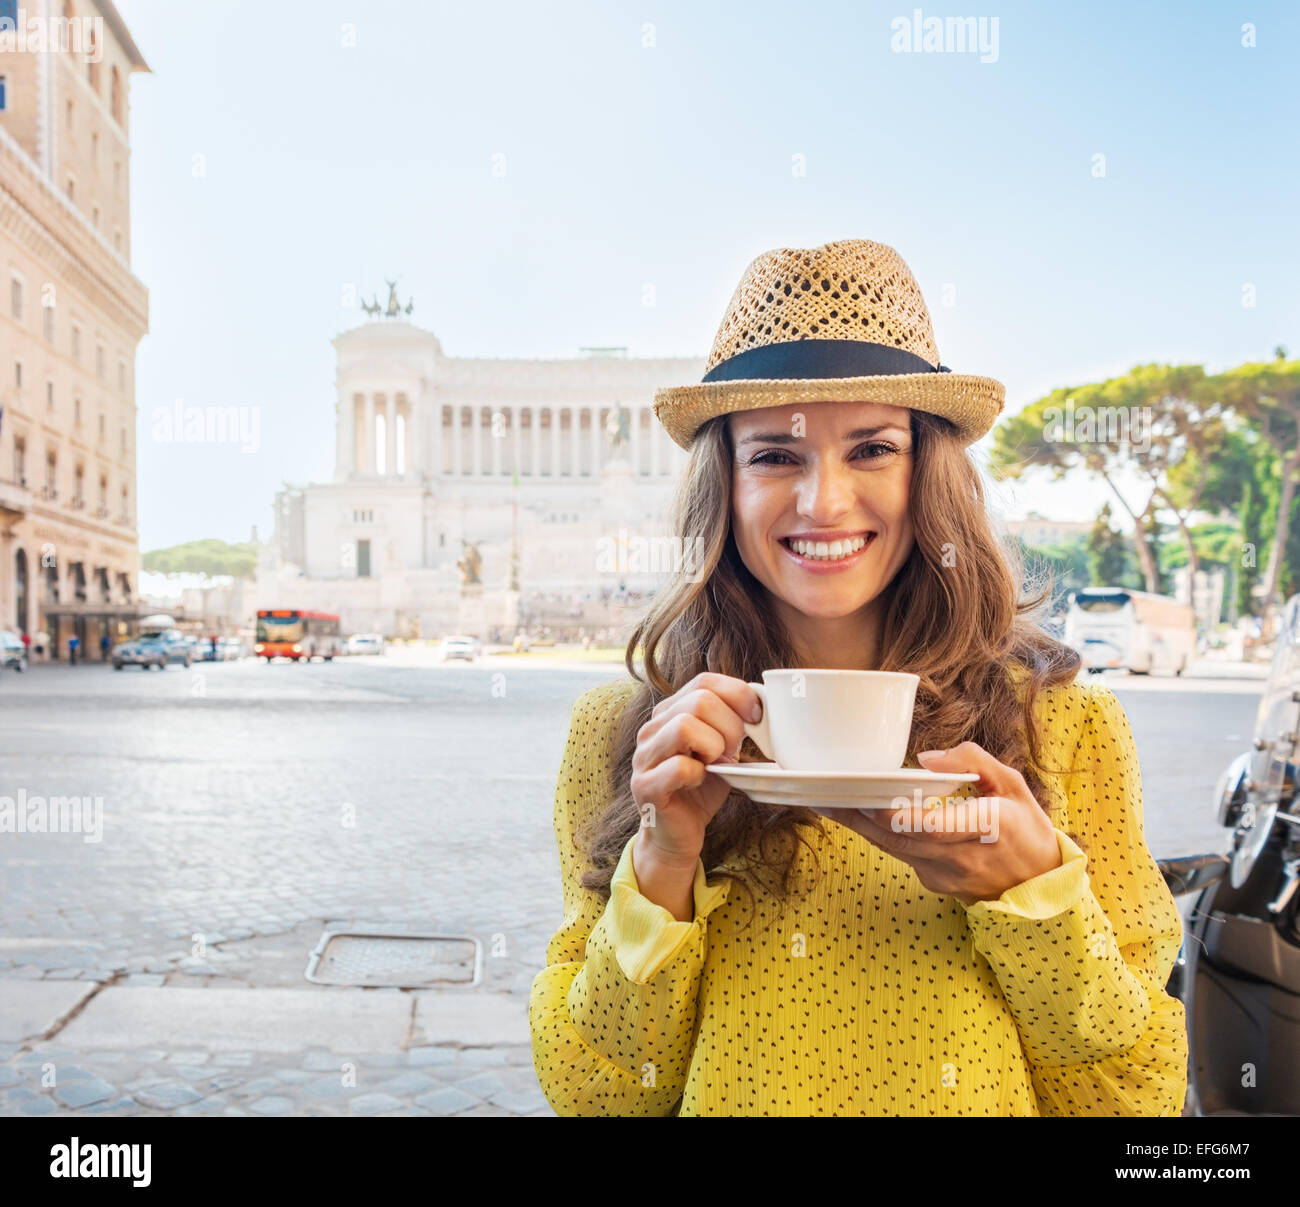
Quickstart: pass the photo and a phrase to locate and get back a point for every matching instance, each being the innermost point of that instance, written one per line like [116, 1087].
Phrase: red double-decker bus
[302, 636]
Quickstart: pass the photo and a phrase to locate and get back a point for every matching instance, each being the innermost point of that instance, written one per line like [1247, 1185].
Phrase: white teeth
[821, 550]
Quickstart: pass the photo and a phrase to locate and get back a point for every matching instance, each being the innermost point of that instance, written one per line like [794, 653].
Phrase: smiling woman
[720, 956]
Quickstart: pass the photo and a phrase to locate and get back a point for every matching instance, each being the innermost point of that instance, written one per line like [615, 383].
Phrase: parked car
[467, 648]
[153, 649]
[230, 649]
[12, 651]
[366, 643]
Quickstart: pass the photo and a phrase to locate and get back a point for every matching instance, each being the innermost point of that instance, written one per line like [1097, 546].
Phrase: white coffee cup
[834, 720]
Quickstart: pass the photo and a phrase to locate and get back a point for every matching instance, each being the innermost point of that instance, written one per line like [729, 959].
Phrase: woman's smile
[827, 557]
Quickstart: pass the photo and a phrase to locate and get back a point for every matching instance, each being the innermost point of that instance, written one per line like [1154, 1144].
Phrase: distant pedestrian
[73, 642]
[104, 643]
[27, 642]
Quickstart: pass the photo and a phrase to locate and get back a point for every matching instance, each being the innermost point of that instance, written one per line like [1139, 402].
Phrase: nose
[826, 492]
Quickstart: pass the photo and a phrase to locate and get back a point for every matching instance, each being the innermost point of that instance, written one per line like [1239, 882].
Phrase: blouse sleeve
[1082, 953]
[613, 1013]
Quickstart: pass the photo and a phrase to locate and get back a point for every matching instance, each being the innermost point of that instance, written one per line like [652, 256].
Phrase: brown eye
[882, 449]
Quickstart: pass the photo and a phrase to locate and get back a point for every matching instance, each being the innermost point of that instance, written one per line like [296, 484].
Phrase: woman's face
[822, 472]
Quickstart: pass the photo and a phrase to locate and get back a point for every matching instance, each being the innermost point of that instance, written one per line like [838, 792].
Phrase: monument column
[555, 442]
[595, 442]
[347, 426]
[534, 434]
[369, 462]
[390, 434]
[575, 432]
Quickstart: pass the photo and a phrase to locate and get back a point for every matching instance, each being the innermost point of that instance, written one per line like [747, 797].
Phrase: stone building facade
[473, 494]
[71, 315]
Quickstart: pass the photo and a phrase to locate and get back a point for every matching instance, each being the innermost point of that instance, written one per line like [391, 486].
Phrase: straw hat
[842, 322]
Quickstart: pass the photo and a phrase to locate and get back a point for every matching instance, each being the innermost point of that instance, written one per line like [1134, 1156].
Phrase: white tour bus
[1114, 627]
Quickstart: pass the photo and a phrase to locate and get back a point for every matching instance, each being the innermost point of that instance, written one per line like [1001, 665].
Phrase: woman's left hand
[972, 848]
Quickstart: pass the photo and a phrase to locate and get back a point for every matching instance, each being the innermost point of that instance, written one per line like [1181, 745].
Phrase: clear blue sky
[671, 164]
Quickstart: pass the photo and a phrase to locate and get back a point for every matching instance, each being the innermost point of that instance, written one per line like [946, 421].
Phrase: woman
[720, 956]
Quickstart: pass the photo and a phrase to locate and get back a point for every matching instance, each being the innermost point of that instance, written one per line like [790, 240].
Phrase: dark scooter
[1238, 973]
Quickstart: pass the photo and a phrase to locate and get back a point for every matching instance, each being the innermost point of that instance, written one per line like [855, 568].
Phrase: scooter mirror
[1232, 790]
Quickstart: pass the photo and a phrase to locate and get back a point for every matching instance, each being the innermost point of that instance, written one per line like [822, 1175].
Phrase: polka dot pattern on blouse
[865, 993]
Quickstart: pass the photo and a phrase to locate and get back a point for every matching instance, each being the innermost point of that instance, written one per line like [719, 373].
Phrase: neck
[841, 643]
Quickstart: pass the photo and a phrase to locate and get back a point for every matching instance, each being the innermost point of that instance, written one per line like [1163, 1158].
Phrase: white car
[366, 643]
[467, 648]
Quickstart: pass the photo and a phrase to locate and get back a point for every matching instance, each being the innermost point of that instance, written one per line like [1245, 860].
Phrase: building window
[117, 178]
[75, 343]
[18, 375]
[124, 440]
[102, 425]
[117, 239]
[51, 475]
[76, 411]
[103, 504]
[20, 589]
[115, 101]
[79, 487]
[363, 559]
[99, 361]
[94, 216]
[121, 376]
[20, 461]
[125, 518]
[16, 298]
[47, 320]
[94, 149]
[49, 396]
[69, 113]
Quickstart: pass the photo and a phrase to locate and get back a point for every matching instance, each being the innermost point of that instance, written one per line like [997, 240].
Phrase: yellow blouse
[866, 994]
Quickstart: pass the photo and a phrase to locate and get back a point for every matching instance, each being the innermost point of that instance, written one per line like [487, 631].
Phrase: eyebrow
[861, 433]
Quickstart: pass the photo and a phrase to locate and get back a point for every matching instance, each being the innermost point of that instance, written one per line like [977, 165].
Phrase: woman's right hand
[702, 723]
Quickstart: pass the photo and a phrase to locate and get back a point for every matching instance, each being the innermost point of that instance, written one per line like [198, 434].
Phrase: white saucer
[770, 784]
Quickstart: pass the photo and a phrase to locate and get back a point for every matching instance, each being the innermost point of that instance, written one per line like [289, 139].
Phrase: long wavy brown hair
[958, 622]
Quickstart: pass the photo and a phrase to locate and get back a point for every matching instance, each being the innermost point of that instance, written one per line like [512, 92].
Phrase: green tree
[1111, 561]
[1268, 394]
[211, 557]
[1139, 425]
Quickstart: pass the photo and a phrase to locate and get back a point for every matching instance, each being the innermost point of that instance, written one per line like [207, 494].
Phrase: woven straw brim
[972, 403]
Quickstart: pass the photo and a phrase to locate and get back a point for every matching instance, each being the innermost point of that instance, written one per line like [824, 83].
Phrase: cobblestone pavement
[432, 1080]
[246, 807]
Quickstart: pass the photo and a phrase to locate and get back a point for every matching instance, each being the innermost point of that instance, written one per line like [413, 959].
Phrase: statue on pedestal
[470, 565]
[618, 430]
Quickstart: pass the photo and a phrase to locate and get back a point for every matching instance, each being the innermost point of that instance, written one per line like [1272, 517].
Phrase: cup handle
[759, 731]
